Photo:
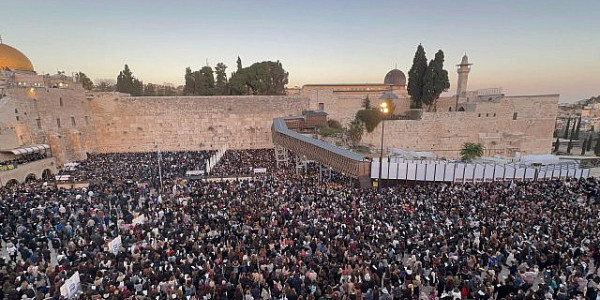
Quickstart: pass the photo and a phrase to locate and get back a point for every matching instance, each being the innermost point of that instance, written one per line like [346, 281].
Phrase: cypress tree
[578, 129]
[415, 77]
[435, 80]
[566, 136]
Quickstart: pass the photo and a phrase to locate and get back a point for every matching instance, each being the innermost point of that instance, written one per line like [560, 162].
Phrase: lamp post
[384, 108]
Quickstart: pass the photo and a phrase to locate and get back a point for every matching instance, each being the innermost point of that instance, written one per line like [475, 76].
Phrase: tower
[463, 75]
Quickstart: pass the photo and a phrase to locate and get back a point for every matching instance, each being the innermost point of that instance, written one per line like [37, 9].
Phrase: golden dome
[13, 59]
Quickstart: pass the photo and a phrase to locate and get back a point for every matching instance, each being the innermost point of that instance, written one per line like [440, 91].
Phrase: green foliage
[366, 103]
[435, 80]
[329, 131]
[199, 83]
[125, 81]
[264, 78]
[334, 124]
[355, 132]
[138, 88]
[239, 64]
[578, 129]
[567, 127]
[415, 76]
[149, 90]
[84, 80]
[471, 151]
[105, 85]
[221, 84]
[370, 117]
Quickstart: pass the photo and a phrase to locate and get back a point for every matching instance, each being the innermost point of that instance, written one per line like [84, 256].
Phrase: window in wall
[87, 120]
[487, 115]
[17, 117]
[321, 106]
[494, 114]
[16, 111]
[58, 123]
[515, 116]
[479, 115]
[60, 101]
[450, 108]
[73, 122]
[39, 123]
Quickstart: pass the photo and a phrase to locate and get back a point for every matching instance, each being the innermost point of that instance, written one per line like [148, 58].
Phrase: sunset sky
[525, 47]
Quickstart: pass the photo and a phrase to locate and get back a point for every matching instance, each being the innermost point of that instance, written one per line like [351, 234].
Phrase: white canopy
[28, 150]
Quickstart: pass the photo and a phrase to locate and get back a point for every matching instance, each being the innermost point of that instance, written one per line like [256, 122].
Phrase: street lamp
[384, 108]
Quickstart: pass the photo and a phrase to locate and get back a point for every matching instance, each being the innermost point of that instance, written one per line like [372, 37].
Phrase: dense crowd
[23, 159]
[293, 237]
[138, 166]
[243, 162]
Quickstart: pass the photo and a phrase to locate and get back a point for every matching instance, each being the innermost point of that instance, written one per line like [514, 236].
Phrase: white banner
[194, 172]
[115, 245]
[71, 286]
[260, 170]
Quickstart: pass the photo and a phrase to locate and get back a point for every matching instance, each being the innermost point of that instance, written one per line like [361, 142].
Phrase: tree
[570, 144]
[125, 81]
[589, 143]
[138, 87]
[208, 81]
[435, 81]
[573, 130]
[370, 117]
[221, 84]
[415, 76]
[239, 64]
[578, 128]
[188, 88]
[355, 131]
[597, 147]
[366, 103]
[556, 145]
[149, 90]
[264, 78]
[583, 147]
[566, 136]
[471, 151]
[84, 80]
[105, 85]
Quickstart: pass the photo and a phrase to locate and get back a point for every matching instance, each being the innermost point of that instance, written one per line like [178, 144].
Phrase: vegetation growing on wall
[471, 151]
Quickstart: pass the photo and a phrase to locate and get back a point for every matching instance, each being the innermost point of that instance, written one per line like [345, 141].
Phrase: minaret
[463, 75]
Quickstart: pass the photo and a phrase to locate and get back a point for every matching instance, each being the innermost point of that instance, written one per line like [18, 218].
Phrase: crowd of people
[291, 236]
[140, 166]
[243, 162]
[22, 159]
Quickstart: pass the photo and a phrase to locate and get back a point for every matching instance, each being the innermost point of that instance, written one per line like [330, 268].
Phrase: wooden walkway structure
[339, 159]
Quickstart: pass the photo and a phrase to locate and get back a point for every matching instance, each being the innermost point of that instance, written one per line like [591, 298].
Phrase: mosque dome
[13, 59]
[395, 77]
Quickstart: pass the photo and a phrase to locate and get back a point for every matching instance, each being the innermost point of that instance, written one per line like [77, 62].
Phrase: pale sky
[525, 47]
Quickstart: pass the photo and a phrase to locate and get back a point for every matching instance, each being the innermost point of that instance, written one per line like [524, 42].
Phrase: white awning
[28, 150]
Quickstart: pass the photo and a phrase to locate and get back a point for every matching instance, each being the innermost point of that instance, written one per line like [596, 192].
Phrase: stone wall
[133, 124]
[31, 116]
[492, 124]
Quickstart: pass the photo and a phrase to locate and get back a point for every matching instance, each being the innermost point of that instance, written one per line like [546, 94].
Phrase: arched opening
[30, 177]
[450, 108]
[46, 174]
[12, 183]
[461, 109]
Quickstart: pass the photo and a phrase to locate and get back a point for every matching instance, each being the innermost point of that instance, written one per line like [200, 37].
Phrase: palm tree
[470, 151]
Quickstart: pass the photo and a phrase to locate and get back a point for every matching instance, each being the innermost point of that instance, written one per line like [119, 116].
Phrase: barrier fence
[215, 159]
[474, 172]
